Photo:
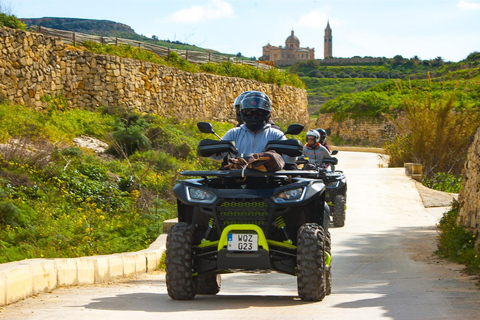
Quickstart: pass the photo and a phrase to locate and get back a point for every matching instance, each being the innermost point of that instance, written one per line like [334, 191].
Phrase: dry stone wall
[371, 132]
[469, 198]
[33, 65]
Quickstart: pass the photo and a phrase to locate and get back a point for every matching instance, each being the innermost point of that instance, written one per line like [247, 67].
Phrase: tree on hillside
[474, 56]
[397, 60]
[437, 62]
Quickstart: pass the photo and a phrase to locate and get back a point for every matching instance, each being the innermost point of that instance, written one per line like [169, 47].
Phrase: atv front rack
[249, 173]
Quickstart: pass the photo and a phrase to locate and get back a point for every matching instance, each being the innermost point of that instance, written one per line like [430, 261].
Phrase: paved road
[383, 268]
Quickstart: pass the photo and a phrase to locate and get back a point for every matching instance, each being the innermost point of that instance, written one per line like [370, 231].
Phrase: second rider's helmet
[255, 110]
[323, 135]
[237, 105]
[313, 133]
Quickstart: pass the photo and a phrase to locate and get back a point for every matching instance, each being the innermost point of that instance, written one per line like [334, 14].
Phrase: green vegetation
[436, 131]
[327, 81]
[320, 90]
[389, 96]
[457, 243]
[226, 68]
[11, 21]
[59, 200]
[444, 182]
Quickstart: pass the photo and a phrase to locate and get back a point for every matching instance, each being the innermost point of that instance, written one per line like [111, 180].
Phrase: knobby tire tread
[311, 277]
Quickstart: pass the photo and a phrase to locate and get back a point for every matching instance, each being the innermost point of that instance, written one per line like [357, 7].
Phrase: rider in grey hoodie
[253, 136]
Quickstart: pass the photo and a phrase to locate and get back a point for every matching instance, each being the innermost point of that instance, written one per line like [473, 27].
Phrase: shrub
[435, 133]
[11, 21]
[129, 136]
[444, 182]
[455, 242]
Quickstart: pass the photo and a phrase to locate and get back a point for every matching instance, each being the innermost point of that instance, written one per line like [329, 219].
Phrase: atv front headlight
[291, 195]
[199, 195]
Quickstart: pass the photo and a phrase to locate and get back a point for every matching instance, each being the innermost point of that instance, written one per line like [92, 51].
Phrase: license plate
[242, 242]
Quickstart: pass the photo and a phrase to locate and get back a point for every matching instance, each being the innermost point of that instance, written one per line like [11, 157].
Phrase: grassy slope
[57, 200]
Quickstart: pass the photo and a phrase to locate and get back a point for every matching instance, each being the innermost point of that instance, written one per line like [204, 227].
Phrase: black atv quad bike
[336, 188]
[238, 220]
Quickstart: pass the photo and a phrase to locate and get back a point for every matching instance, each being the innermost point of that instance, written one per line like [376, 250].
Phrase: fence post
[139, 44]
[209, 56]
[186, 55]
[39, 29]
[73, 38]
[102, 41]
[116, 42]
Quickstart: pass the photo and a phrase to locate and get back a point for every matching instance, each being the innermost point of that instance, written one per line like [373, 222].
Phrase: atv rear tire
[311, 262]
[179, 262]
[339, 211]
[328, 270]
[208, 283]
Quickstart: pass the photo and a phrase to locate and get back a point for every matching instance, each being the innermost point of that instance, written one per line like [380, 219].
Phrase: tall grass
[436, 132]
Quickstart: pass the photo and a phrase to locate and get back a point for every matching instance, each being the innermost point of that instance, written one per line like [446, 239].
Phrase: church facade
[292, 52]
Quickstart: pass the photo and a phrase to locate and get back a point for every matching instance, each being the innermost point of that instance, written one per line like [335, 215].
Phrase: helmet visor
[255, 113]
[256, 103]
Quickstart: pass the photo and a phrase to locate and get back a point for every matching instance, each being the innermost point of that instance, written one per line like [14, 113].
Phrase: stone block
[18, 282]
[44, 274]
[67, 272]
[152, 261]
[85, 271]
[129, 265]
[3, 287]
[168, 224]
[413, 168]
[115, 266]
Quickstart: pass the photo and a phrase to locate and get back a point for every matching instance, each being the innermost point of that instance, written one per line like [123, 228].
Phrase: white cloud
[468, 5]
[212, 10]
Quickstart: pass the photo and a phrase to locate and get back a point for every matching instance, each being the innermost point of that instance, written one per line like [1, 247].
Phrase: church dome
[292, 39]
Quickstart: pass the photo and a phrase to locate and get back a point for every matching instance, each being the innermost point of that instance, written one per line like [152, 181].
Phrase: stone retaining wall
[469, 198]
[33, 65]
[373, 132]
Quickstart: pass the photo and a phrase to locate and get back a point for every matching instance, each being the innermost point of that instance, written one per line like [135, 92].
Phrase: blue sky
[379, 28]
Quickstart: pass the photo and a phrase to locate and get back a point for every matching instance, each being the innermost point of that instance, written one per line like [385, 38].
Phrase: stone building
[288, 54]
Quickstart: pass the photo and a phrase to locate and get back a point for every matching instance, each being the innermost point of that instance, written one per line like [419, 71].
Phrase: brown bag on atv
[266, 161]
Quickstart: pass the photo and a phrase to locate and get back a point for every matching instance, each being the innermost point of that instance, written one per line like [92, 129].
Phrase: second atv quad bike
[336, 188]
[238, 220]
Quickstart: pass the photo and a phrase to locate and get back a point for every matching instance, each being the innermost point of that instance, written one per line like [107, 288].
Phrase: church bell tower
[328, 42]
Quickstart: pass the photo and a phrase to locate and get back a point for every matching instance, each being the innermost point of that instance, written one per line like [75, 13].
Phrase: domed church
[288, 54]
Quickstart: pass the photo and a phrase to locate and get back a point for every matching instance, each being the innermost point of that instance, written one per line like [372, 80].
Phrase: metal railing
[189, 55]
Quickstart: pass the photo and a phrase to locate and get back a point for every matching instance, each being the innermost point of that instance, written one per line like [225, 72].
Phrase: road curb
[23, 279]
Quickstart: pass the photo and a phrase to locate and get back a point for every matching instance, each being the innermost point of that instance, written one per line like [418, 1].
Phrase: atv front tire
[179, 262]
[339, 211]
[208, 283]
[311, 262]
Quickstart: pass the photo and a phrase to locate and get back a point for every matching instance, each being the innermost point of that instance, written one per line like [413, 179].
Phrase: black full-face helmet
[237, 105]
[255, 110]
[323, 135]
